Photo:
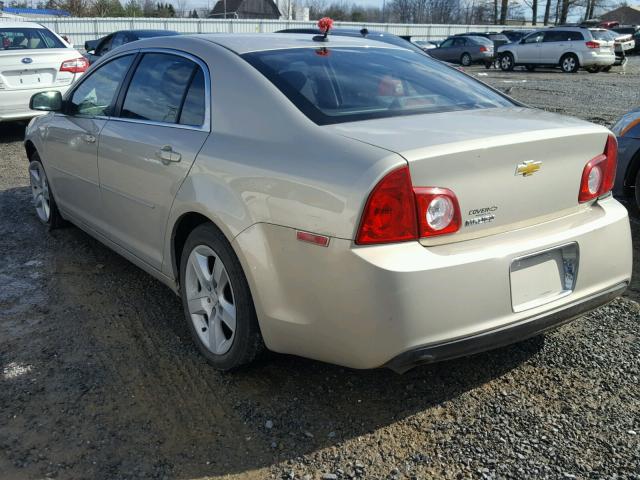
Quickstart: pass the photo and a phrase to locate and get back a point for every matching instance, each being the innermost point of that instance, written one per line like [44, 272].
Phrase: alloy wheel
[210, 300]
[40, 191]
[569, 64]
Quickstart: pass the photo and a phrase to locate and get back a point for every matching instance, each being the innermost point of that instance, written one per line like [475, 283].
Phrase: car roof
[20, 25]
[254, 42]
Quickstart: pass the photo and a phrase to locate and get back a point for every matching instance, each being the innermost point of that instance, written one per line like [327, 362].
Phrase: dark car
[465, 50]
[498, 39]
[627, 130]
[97, 48]
[516, 35]
[364, 32]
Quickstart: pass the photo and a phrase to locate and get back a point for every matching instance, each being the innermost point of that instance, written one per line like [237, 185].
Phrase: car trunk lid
[26, 69]
[510, 168]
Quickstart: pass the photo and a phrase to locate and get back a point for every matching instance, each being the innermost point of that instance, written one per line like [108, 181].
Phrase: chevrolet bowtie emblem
[528, 168]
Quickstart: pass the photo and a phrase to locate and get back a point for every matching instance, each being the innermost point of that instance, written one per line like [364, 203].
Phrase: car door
[146, 152]
[528, 50]
[71, 139]
[443, 52]
[553, 45]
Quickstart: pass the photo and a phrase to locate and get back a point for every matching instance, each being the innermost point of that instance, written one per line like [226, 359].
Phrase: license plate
[543, 277]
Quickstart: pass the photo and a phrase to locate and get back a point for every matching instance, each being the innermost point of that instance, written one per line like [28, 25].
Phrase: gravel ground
[99, 380]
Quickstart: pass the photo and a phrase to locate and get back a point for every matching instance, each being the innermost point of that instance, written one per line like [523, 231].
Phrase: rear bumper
[598, 59]
[506, 335]
[14, 104]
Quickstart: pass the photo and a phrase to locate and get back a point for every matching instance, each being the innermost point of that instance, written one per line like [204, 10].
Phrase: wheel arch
[632, 171]
[30, 149]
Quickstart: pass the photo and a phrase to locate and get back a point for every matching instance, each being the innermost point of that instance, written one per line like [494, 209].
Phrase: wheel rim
[210, 300]
[40, 191]
[506, 61]
[466, 60]
[569, 64]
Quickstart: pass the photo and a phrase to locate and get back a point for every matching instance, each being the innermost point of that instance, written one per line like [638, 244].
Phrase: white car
[33, 59]
[567, 47]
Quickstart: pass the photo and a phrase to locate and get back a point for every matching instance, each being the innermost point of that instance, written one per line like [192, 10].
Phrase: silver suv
[567, 47]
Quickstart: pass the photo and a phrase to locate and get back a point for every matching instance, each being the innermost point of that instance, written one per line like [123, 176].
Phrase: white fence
[79, 30]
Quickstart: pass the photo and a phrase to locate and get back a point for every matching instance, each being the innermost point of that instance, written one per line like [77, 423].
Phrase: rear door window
[158, 88]
[193, 110]
[28, 39]
[534, 37]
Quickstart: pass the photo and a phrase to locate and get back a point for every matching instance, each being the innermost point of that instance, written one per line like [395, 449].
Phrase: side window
[459, 42]
[94, 97]
[158, 88]
[534, 38]
[447, 43]
[104, 46]
[575, 36]
[554, 36]
[118, 39]
[193, 110]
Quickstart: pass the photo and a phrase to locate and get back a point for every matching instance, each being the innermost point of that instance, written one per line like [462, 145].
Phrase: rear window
[28, 39]
[481, 40]
[334, 85]
[600, 35]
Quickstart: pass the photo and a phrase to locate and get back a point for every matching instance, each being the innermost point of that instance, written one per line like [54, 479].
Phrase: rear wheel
[506, 62]
[43, 200]
[569, 63]
[465, 59]
[217, 301]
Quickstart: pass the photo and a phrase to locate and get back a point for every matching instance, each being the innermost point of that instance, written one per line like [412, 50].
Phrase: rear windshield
[28, 39]
[481, 40]
[334, 85]
[600, 34]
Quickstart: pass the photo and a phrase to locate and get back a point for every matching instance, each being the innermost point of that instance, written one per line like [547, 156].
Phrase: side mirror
[46, 101]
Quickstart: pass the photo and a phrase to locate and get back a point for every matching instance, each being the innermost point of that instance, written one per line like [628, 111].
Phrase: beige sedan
[344, 200]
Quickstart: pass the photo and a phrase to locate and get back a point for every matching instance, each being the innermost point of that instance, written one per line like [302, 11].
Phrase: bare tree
[181, 7]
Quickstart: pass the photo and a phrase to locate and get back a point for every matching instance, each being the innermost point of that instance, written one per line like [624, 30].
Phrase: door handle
[167, 155]
[89, 138]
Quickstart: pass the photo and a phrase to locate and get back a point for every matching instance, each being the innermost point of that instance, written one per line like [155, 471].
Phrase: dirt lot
[99, 380]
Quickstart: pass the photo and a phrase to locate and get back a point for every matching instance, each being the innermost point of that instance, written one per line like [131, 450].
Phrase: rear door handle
[90, 138]
[167, 155]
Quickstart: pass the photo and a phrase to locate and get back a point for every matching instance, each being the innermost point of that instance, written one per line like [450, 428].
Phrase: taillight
[484, 49]
[77, 65]
[438, 211]
[390, 212]
[592, 44]
[599, 173]
[398, 212]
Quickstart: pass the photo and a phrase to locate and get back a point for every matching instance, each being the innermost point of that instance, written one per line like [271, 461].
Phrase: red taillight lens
[484, 49]
[77, 65]
[390, 212]
[398, 212]
[592, 44]
[438, 211]
[599, 174]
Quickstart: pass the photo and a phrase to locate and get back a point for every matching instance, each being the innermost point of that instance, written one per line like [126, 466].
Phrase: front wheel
[506, 62]
[45, 204]
[569, 63]
[217, 302]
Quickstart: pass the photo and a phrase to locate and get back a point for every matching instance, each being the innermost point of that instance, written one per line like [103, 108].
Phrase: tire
[530, 68]
[212, 305]
[488, 65]
[592, 69]
[465, 60]
[507, 62]
[606, 69]
[569, 63]
[43, 200]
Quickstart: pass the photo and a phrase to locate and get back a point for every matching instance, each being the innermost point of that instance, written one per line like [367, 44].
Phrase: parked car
[633, 30]
[343, 200]
[623, 46]
[516, 35]
[97, 48]
[465, 50]
[33, 58]
[627, 129]
[567, 47]
[498, 39]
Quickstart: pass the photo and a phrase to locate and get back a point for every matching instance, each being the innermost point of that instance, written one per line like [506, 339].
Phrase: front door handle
[89, 138]
[167, 155]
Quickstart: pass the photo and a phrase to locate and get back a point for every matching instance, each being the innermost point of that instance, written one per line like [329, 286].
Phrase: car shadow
[12, 132]
[116, 385]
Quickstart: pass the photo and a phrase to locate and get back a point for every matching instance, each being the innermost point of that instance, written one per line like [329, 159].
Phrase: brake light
[592, 44]
[397, 212]
[484, 49]
[77, 65]
[599, 173]
[438, 211]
